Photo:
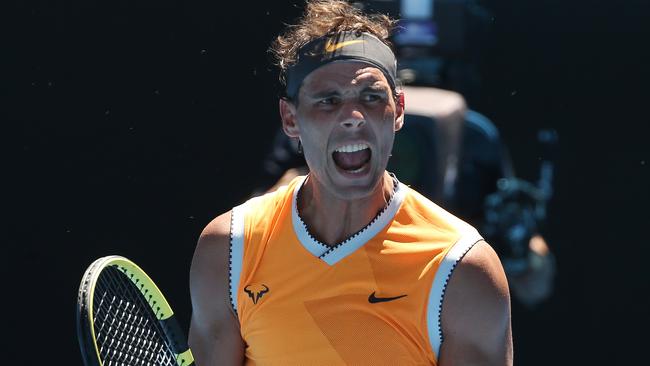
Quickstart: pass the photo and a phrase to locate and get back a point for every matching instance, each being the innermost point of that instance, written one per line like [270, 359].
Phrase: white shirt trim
[332, 255]
[370, 231]
[314, 247]
[469, 237]
[236, 251]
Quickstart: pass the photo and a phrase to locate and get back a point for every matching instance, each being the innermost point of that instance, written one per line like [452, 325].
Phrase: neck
[332, 220]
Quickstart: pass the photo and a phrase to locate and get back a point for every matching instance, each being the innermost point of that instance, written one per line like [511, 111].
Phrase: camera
[517, 210]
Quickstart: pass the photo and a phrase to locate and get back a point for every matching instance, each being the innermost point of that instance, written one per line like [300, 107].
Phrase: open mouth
[352, 158]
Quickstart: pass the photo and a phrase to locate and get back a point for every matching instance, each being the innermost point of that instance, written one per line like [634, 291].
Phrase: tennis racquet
[123, 318]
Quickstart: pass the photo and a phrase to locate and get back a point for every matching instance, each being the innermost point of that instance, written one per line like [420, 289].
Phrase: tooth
[352, 148]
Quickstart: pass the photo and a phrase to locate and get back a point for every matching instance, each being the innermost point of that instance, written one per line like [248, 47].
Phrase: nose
[353, 118]
[353, 123]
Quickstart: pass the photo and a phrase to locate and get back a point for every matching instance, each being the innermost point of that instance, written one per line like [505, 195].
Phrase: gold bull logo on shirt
[256, 291]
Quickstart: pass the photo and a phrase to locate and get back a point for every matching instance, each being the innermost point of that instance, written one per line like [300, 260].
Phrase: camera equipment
[517, 210]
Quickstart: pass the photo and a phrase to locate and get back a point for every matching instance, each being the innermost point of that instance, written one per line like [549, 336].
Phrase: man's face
[346, 120]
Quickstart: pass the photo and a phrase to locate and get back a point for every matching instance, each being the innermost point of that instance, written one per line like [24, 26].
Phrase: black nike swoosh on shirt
[373, 299]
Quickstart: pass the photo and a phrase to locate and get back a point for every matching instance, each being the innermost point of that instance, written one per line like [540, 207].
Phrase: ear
[289, 120]
[399, 111]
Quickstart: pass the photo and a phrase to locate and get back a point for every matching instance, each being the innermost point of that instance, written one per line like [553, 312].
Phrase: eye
[372, 97]
[329, 101]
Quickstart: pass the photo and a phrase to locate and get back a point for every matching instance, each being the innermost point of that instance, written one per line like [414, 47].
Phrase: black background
[129, 125]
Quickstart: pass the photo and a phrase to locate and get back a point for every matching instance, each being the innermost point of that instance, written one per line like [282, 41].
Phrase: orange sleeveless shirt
[374, 299]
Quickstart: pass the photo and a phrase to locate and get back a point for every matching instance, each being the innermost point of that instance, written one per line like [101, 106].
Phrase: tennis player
[345, 265]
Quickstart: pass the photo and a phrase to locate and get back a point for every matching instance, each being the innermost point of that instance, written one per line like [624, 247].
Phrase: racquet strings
[126, 329]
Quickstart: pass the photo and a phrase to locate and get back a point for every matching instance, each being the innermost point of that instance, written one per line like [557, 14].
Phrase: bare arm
[214, 335]
[476, 312]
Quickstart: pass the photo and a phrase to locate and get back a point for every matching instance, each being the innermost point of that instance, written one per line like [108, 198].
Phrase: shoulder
[476, 309]
[433, 214]
[216, 231]
[479, 275]
[209, 268]
[213, 242]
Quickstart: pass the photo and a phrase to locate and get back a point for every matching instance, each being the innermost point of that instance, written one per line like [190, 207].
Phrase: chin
[355, 185]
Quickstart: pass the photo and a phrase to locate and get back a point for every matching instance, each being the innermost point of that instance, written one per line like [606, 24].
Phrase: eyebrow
[324, 94]
[373, 88]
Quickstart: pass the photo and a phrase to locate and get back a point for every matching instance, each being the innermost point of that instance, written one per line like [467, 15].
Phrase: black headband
[351, 45]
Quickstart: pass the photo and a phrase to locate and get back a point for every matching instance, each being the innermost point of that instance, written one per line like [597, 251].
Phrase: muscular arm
[214, 335]
[476, 312]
